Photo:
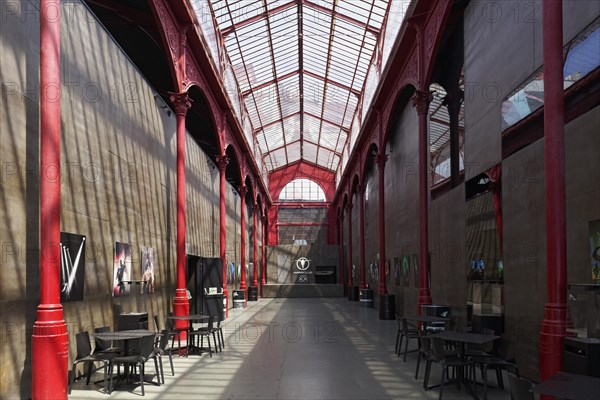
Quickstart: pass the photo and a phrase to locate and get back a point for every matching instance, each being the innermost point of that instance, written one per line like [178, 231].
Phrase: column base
[181, 306]
[49, 354]
[552, 333]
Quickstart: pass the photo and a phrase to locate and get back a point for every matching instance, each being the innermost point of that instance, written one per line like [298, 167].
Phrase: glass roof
[301, 68]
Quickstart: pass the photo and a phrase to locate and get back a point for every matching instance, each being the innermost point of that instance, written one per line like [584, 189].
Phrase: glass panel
[582, 58]
[302, 190]
[310, 152]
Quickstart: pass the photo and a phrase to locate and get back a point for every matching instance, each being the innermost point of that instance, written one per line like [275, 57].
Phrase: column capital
[380, 160]
[361, 188]
[255, 207]
[222, 162]
[421, 100]
[243, 190]
[349, 206]
[181, 102]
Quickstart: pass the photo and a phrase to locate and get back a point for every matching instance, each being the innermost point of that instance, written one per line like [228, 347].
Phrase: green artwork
[595, 250]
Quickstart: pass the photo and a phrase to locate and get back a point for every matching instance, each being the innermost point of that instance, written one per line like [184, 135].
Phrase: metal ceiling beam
[340, 85]
[370, 28]
[301, 68]
[269, 83]
[230, 29]
[270, 40]
[257, 130]
[362, 46]
[246, 72]
[306, 141]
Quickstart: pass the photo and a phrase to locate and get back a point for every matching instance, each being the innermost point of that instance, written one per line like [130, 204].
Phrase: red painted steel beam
[263, 85]
[343, 17]
[421, 100]
[553, 328]
[49, 340]
[381, 159]
[181, 305]
[302, 223]
[263, 278]
[263, 15]
[222, 162]
[334, 83]
[254, 246]
[361, 204]
[349, 216]
[257, 130]
[243, 190]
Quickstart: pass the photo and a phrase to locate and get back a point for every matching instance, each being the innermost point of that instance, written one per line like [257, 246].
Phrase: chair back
[84, 347]
[404, 326]
[156, 324]
[437, 349]
[211, 321]
[164, 339]
[489, 346]
[146, 346]
[520, 389]
[101, 345]
[425, 342]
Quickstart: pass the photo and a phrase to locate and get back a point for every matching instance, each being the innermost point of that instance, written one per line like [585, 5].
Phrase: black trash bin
[436, 310]
[366, 298]
[253, 293]
[387, 306]
[239, 298]
[353, 293]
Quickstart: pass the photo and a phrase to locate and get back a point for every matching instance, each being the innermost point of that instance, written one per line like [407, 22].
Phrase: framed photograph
[148, 270]
[397, 271]
[415, 265]
[122, 269]
[72, 266]
[406, 271]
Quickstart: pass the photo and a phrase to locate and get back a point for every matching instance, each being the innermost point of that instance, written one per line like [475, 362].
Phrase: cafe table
[191, 318]
[462, 339]
[567, 386]
[125, 336]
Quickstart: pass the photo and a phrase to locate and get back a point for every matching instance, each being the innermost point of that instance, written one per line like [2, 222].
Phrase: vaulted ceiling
[301, 67]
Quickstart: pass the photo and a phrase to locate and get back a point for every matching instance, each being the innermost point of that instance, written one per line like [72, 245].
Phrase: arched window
[302, 190]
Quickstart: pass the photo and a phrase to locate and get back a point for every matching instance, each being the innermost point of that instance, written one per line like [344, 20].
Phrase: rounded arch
[306, 184]
[233, 173]
[281, 177]
[201, 124]
[369, 160]
[402, 98]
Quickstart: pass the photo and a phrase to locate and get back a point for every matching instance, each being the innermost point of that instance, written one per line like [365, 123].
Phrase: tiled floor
[296, 349]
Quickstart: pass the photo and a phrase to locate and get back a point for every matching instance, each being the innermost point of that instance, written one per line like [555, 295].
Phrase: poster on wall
[406, 270]
[122, 269]
[595, 250]
[397, 271]
[415, 264]
[72, 266]
[148, 270]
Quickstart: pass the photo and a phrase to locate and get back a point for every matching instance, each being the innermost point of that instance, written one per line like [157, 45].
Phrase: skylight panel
[293, 151]
[311, 128]
[310, 152]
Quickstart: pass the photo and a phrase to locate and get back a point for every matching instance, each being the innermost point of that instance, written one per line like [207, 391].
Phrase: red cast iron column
[263, 278]
[421, 100]
[255, 259]
[49, 340]
[553, 329]
[381, 160]
[341, 243]
[181, 305]
[243, 190]
[350, 283]
[222, 162]
[361, 211]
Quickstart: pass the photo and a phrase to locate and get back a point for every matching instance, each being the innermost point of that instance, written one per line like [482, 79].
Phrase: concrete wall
[118, 182]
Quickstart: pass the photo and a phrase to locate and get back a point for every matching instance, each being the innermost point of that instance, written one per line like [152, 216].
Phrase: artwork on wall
[415, 264]
[148, 270]
[406, 270]
[397, 272]
[595, 250]
[121, 269]
[386, 272]
[231, 273]
[72, 266]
